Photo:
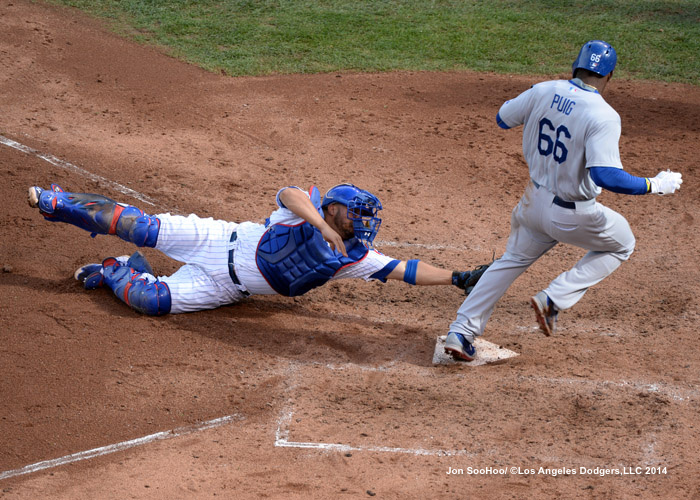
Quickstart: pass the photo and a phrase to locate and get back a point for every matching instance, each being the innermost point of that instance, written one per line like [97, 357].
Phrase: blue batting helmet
[596, 56]
[363, 208]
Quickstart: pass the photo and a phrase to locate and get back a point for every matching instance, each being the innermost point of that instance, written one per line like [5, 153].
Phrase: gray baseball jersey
[567, 129]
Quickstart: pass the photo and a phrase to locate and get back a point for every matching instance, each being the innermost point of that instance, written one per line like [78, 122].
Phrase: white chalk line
[284, 421]
[282, 441]
[74, 168]
[675, 393]
[124, 445]
[428, 246]
[103, 181]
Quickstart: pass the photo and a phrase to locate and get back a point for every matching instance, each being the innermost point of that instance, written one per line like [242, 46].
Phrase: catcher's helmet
[363, 207]
[596, 56]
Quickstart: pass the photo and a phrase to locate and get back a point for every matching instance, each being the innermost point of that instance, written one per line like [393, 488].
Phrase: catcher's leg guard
[97, 214]
[138, 262]
[142, 292]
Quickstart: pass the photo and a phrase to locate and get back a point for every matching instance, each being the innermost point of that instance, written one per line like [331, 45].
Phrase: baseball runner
[570, 142]
[305, 243]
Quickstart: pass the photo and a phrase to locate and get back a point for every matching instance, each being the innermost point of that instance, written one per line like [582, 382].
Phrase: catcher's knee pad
[133, 225]
[141, 291]
[138, 262]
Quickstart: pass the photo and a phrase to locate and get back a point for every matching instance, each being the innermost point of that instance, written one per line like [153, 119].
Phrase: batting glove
[666, 182]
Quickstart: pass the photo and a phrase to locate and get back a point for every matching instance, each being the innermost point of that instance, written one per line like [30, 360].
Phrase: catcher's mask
[596, 56]
[362, 209]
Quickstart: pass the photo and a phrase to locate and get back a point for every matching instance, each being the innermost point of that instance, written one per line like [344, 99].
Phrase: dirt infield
[332, 394]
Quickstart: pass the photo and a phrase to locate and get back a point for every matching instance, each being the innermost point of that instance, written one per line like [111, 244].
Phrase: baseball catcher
[305, 243]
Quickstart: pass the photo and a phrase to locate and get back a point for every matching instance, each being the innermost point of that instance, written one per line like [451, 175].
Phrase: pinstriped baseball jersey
[568, 128]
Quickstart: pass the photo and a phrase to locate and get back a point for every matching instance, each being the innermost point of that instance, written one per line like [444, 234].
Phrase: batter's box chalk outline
[124, 445]
[282, 441]
[69, 166]
[486, 352]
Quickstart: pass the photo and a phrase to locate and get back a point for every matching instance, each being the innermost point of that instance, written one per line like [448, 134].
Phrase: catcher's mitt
[466, 280]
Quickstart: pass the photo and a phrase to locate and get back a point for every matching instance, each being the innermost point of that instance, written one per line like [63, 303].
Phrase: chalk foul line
[103, 181]
[124, 445]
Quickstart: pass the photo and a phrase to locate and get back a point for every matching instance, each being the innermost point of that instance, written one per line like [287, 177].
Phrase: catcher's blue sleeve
[386, 271]
[618, 181]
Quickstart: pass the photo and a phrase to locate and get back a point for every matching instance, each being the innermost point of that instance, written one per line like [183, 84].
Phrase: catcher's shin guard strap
[142, 292]
[409, 275]
[118, 209]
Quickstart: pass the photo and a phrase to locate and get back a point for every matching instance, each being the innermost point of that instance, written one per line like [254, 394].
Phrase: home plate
[486, 352]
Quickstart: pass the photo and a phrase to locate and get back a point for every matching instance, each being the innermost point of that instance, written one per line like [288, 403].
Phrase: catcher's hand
[466, 280]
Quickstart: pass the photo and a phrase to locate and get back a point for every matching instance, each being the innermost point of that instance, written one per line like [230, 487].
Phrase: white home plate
[486, 352]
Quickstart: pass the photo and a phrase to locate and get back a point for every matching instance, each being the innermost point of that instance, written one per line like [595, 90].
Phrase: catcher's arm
[416, 272]
[298, 202]
[424, 274]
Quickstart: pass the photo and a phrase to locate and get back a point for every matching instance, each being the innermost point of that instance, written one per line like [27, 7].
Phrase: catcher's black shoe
[459, 347]
[546, 313]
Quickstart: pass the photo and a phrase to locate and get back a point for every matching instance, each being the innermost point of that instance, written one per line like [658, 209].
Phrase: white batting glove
[666, 182]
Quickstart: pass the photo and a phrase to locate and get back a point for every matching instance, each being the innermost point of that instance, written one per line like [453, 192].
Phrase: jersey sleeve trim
[279, 202]
[501, 123]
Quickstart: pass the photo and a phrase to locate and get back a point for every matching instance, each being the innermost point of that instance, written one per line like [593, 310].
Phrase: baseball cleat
[90, 276]
[459, 347]
[546, 313]
[33, 196]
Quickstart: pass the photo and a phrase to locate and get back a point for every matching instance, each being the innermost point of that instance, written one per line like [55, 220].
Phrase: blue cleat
[459, 347]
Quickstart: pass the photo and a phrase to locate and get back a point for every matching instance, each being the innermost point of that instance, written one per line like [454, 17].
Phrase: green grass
[655, 39]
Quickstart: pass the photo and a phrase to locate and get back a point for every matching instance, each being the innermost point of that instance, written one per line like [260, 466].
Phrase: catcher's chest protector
[295, 259]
